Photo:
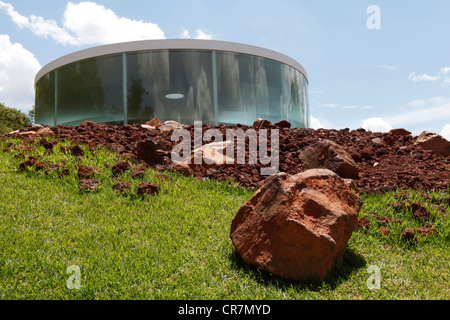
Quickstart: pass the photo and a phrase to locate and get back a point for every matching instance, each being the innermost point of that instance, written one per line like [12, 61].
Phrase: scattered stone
[262, 124]
[89, 184]
[283, 124]
[122, 186]
[384, 231]
[296, 226]
[433, 142]
[170, 125]
[329, 155]
[120, 167]
[148, 188]
[155, 123]
[76, 151]
[400, 132]
[45, 132]
[408, 235]
[85, 172]
[363, 223]
[426, 231]
[29, 163]
[150, 152]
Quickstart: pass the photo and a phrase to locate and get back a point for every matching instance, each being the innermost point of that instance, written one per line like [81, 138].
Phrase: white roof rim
[165, 44]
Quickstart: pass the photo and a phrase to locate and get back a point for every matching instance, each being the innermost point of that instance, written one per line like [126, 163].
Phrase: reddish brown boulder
[400, 132]
[262, 124]
[433, 142]
[85, 172]
[155, 123]
[151, 152]
[89, 184]
[408, 235]
[148, 188]
[120, 167]
[296, 226]
[329, 155]
[122, 186]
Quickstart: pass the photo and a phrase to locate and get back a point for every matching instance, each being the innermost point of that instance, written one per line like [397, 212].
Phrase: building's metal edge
[167, 44]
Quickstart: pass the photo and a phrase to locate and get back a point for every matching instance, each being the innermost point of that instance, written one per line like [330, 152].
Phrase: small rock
[120, 167]
[408, 235]
[148, 188]
[85, 172]
[170, 125]
[433, 142]
[89, 184]
[122, 186]
[329, 155]
[400, 132]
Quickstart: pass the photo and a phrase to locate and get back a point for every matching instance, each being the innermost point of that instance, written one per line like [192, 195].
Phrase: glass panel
[236, 88]
[91, 90]
[269, 89]
[45, 100]
[170, 85]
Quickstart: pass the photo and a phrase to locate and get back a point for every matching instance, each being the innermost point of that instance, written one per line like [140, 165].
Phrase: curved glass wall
[183, 85]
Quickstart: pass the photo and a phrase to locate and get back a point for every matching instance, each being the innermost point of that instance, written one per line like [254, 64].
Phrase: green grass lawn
[176, 245]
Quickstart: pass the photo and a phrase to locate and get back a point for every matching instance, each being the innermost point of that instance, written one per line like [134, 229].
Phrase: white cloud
[432, 109]
[422, 77]
[446, 132]
[314, 123]
[86, 23]
[18, 67]
[185, 34]
[200, 34]
[39, 26]
[444, 75]
[376, 125]
[92, 23]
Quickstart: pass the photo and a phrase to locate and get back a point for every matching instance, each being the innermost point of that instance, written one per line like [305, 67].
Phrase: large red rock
[296, 226]
[329, 155]
[433, 142]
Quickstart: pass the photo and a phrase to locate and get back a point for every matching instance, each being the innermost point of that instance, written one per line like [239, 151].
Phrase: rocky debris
[434, 143]
[139, 172]
[171, 125]
[120, 167]
[26, 164]
[392, 161]
[151, 152]
[329, 155]
[262, 124]
[427, 231]
[122, 186]
[163, 177]
[89, 184]
[148, 188]
[408, 235]
[84, 172]
[76, 150]
[210, 155]
[155, 123]
[296, 226]
[400, 132]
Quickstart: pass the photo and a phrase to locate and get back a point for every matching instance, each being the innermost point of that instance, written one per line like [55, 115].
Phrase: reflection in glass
[135, 87]
[177, 85]
[45, 99]
[90, 90]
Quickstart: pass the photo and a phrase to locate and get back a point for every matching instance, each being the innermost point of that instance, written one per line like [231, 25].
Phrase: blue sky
[397, 75]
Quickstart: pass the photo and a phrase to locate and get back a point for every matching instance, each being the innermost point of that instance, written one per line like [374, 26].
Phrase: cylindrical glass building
[183, 79]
